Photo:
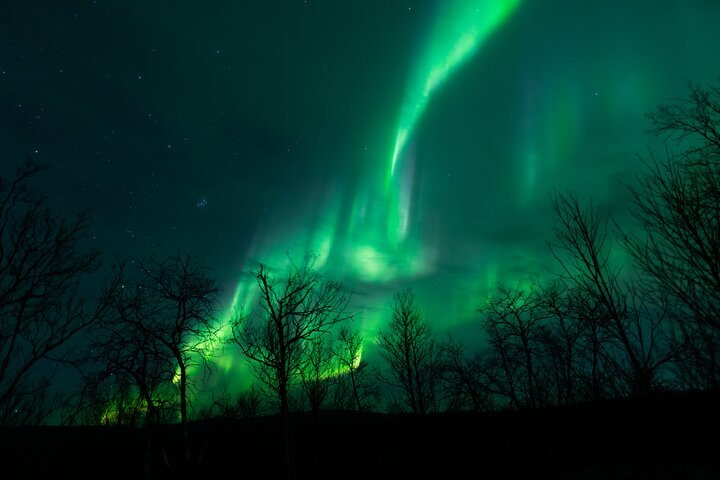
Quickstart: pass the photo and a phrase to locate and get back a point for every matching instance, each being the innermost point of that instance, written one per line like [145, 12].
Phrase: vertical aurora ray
[460, 29]
[372, 240]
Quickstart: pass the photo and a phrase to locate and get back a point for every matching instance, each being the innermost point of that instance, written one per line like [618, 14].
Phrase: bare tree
[277, 336]
[464, 382]
[357, 379]
[133, 375]
[576, 341]
[561, 338]
[512, 321]
[162, 325]
[408, 347]
[582, 246]
[318, 373]
[184, 298]
[677, 204]
[41, 310]
[244, 404]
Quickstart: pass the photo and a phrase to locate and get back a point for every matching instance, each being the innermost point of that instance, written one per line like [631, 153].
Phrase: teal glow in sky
[409, 143]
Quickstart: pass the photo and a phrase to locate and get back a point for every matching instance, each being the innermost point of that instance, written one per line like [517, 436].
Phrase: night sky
[407, 143]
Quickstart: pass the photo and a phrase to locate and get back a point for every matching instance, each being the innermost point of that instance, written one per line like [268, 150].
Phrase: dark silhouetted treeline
[658, 437]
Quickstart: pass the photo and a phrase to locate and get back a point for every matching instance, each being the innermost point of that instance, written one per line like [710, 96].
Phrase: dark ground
[673, 436]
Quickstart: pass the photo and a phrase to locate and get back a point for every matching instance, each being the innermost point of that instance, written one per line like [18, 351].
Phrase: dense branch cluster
[41, 268]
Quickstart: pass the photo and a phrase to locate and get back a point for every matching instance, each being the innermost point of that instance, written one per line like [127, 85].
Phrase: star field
[409, 143]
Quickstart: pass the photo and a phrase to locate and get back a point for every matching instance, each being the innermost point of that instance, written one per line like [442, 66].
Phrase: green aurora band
[460, 29]
[372, 239]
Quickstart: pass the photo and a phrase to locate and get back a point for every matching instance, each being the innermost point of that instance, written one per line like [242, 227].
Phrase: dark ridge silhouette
[662, 436]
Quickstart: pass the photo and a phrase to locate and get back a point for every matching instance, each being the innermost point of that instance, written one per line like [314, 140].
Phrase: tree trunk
[285, 418]
[183, 410]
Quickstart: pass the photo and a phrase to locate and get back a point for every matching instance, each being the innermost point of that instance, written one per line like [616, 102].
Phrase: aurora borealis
[379, 242]
[407, 143]
[458, 29]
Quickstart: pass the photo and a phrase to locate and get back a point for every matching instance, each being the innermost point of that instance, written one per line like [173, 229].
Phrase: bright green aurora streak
[459, 31]
[374, 242]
